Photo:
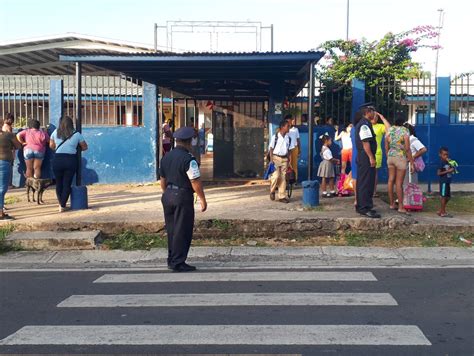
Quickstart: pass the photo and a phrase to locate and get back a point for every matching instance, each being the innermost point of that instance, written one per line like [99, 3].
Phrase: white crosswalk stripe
[303, 335]
[218, 335]
[236, 277]
[226, 299]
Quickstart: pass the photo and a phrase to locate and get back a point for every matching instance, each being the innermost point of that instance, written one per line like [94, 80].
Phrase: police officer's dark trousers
[178, 206]
[365, 184]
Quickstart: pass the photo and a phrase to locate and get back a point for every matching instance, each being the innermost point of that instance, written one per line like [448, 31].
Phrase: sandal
[376, 195]
[445, 215]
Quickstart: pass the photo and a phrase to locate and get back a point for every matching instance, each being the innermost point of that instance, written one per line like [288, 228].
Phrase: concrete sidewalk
[317, 257]
[246, 209]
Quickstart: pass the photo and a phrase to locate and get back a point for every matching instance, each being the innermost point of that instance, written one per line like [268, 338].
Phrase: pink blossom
[408, 42]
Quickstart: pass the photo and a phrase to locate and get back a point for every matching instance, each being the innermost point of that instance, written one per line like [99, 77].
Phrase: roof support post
[160, 128]
[79, 119]
[150, 120]
[310, 120]
[275, 105]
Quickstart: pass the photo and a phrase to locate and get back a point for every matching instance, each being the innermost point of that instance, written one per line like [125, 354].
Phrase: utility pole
[440, 26]
[155, 40]
[347, 21]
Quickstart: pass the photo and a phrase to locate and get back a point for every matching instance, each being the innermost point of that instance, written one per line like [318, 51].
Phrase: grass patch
[132, 241]
[461, 202]
[406, 239]
[4, 247]
[220, 224]
[129, 240]
[12, 200]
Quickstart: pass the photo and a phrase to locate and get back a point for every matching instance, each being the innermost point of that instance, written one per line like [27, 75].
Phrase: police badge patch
[193, 171]
[364, 132]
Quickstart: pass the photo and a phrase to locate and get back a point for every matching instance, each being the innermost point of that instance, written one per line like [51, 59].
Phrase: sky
[298, 24]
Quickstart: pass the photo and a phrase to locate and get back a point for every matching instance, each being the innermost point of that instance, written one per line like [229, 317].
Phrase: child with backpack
[445, 172]
[326, 167]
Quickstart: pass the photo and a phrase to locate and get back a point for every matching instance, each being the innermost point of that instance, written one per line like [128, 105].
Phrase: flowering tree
[374, 62]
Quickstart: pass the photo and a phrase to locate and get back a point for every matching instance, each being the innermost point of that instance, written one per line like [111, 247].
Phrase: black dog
[38, 186]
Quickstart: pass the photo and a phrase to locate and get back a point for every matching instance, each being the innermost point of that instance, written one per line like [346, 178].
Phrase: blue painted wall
[459, 140]
[117, 155]
[123, 154]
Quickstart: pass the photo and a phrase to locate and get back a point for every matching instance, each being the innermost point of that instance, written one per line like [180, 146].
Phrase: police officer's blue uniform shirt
[365, 133]
[179, 167]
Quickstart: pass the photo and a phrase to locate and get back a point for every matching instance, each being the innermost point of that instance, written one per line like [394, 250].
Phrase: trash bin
[310, 192]
[79, 197]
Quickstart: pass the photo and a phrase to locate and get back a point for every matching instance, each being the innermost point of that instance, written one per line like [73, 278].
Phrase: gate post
[150, 118]
[358, 96]
[443, 86]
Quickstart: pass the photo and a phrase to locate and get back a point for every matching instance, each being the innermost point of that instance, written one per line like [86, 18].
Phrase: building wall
[117, 155]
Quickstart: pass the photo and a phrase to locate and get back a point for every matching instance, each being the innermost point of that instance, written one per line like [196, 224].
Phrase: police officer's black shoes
[184, 267]
[371, 214]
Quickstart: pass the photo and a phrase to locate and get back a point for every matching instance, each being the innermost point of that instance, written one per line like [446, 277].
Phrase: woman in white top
[417, 150]
[346, 153]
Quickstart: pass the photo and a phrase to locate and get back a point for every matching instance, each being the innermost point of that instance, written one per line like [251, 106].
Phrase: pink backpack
[412, 196]
[341, 191]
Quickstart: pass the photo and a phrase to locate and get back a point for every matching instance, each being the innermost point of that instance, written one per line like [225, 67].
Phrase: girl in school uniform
[326, 167]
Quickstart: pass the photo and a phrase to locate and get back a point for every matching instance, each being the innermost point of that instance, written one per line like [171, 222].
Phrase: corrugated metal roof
[211, 75]
[40, 56]
[202, 54]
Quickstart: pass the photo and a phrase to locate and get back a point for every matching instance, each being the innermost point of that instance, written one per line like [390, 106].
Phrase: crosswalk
[225, 334]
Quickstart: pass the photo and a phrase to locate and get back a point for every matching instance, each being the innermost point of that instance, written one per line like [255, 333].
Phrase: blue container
[79, 198]
[310, 192]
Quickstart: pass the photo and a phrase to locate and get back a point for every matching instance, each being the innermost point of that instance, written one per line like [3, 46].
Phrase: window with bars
[106, 100]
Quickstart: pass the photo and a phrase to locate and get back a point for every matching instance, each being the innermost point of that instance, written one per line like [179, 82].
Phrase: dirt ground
[227, 201]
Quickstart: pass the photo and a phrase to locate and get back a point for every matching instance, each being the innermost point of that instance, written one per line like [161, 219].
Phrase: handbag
[419, 164]
[269, 171]
[290, 176]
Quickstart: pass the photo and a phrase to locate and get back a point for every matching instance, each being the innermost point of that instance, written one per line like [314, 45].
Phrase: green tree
[381, 64]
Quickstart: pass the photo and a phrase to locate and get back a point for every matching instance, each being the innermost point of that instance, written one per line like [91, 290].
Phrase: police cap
[368, 105]
[184, 133]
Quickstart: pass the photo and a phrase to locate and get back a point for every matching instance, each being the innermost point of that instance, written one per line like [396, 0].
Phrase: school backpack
[275, 143]
[412, 196]
[344, 189]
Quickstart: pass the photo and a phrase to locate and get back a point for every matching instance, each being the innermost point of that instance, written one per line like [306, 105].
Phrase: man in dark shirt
[445, 172]
[179, 179]
[366, 148]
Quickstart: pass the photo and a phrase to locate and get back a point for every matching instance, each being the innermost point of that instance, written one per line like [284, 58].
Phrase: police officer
[179, 179]
[366, 148]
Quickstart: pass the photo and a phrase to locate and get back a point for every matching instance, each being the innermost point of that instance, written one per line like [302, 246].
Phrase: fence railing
[106, 100]
[462, 99]
[416, 98]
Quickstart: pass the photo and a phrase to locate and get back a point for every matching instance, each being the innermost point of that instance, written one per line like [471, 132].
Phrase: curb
[262, 257]
[216, 228]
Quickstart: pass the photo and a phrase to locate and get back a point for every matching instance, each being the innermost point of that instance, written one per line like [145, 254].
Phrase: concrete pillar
[275, 105]
[358, 96]
[443, 96]
[56, 99]
[150, 118]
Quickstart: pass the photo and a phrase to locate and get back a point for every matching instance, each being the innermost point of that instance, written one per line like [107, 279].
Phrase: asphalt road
[386, 311]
